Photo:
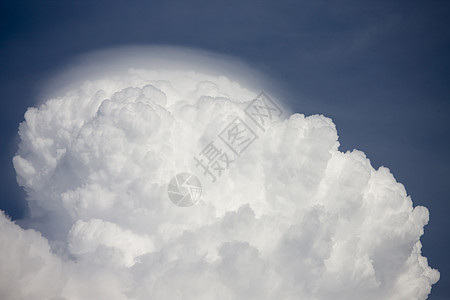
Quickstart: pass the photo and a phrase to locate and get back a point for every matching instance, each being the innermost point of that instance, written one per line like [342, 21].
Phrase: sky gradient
[380, 70]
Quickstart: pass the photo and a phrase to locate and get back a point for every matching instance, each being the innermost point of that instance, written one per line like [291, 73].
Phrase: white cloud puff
[292, 218]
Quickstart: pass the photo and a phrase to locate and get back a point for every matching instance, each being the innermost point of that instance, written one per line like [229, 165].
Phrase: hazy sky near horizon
[380, 70]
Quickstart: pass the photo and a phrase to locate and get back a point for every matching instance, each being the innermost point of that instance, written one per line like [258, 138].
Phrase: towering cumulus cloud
[291, 218]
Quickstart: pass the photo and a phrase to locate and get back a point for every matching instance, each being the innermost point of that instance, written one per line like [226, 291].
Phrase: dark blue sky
[379, 69]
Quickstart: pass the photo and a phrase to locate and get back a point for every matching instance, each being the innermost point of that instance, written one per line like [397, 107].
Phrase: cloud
[292, 217]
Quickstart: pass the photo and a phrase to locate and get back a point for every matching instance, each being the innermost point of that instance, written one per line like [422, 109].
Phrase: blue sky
[379, 69]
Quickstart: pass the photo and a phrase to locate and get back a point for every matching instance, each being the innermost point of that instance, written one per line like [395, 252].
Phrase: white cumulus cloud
[292, 217]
